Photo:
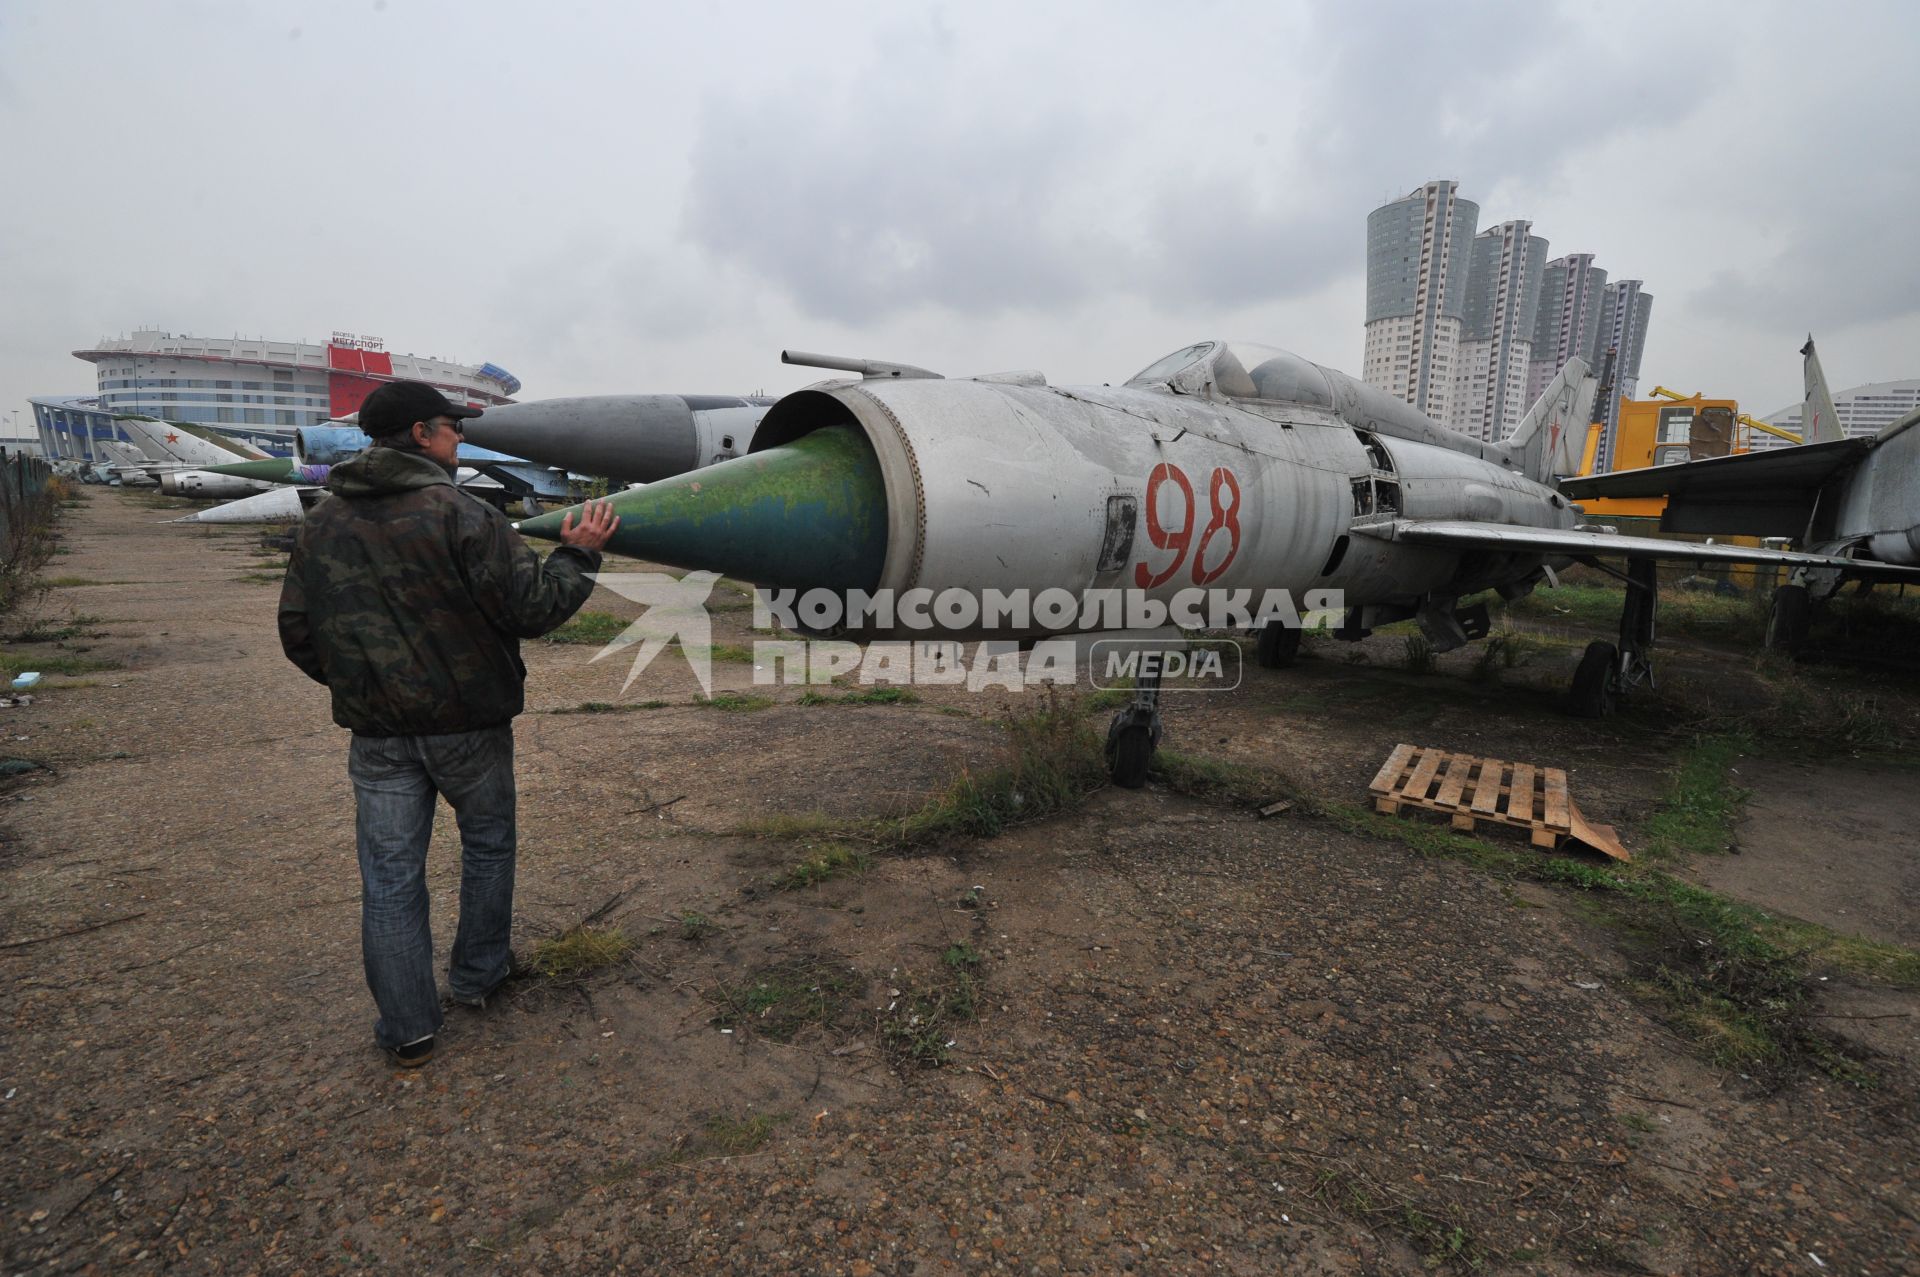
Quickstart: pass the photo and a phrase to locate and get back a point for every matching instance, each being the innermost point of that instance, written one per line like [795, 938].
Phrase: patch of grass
[871, 696]
[55, 662]
[608, 707]
[267, 578]
[695, 926]
[778, 1001]
[589, 627]
[1211, 778]
[722, 1137]
[579, 951]
[916, 1031]
[1696, 817]
[831, 860]
[734, 702]
[74, 582]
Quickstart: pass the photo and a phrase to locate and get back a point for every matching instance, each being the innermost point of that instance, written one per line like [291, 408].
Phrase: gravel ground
[1204, 1043]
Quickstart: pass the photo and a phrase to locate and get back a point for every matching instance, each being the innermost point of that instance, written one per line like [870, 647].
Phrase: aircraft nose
[632, 438]
[806, 514]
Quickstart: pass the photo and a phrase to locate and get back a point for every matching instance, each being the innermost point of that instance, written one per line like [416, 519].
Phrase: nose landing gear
[1135, 733]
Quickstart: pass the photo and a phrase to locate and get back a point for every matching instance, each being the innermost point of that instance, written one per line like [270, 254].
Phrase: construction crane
[1661, 392]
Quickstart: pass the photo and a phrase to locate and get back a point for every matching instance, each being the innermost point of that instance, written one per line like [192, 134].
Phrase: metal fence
[23, 501]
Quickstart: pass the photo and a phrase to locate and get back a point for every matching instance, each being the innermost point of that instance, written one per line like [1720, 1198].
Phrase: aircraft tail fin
[1547, 440]
[1819, 423]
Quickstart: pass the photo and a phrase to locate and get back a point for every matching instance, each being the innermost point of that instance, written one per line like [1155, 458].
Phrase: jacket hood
[379, 471]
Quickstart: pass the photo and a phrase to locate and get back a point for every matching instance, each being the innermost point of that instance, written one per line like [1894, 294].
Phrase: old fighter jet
[1223, 465]
[1854, 501]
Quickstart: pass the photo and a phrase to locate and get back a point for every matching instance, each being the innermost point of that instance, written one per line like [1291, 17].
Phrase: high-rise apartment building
[1469, 329]
[1624, 311]
[1417, 262]
[1496, 343]
[1567, 324]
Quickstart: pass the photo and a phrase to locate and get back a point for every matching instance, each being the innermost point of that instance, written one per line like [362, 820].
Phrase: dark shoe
[413, 1054]
[478, 1002]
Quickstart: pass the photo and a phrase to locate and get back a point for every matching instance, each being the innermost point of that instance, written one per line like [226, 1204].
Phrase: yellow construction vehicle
[1669, 428]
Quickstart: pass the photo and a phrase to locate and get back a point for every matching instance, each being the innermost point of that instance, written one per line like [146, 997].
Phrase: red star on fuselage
[173, 438]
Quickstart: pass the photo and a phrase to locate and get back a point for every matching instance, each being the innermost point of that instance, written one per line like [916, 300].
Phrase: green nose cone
[272, 470]
[808, 513]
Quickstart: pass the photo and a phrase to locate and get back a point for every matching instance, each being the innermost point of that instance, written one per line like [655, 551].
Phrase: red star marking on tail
[173, 438]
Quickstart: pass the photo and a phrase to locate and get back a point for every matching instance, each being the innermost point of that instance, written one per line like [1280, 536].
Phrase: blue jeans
[396, 780]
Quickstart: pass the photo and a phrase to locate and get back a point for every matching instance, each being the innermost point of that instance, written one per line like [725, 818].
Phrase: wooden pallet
[1469, 789]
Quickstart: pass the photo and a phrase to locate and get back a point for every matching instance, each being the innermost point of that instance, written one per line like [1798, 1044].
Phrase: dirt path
[1204, 1043]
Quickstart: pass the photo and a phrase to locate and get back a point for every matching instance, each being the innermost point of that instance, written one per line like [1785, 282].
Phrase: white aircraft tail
[1819, 423]
[1547, 440]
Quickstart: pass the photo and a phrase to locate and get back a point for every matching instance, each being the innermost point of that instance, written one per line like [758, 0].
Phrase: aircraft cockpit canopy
[1238, 370]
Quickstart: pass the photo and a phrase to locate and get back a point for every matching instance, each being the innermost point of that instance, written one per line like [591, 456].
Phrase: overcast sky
[644, 197]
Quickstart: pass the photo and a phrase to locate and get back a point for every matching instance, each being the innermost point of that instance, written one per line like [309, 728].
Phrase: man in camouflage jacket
[408, 598]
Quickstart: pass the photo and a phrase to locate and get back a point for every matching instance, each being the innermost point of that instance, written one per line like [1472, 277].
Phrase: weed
[609, 707]
[696, 926]
[1419, 656]
[589, 627]
[1639, 1122]
[72, 582]
[1051, 761]
[916, 1030]
[42, 632]
[1443, 1240]
[1116, 696]
[1507, 650]
[778, 1001]
[264, 578]
[735, 702]
[579, 951]
[832, 860]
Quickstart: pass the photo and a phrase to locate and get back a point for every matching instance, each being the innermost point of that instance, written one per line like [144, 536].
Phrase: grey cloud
[858, 207]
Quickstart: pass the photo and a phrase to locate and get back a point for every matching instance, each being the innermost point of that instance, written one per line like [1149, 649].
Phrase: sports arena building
[247, 388]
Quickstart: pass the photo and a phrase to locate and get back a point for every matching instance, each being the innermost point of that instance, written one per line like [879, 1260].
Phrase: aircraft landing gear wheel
[1596, 682]
[1790, 619]
[1129, 754]
[1276, 646]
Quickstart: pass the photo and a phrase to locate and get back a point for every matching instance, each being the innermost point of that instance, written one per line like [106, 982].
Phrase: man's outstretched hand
[597, 522]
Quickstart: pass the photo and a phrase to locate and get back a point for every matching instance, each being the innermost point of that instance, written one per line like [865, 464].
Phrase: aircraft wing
[1749, 493]
[1578, 543]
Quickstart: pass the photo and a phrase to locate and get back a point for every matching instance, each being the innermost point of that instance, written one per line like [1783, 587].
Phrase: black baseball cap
[394, 407]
